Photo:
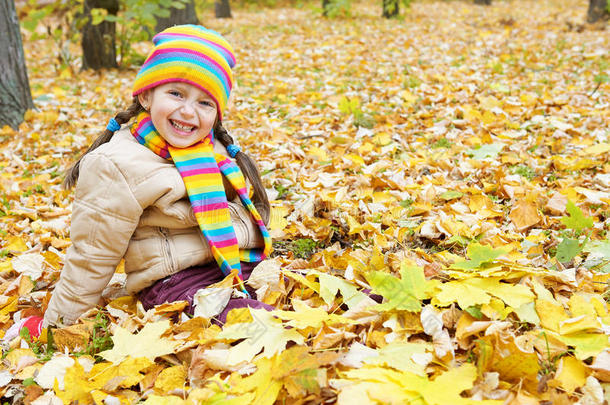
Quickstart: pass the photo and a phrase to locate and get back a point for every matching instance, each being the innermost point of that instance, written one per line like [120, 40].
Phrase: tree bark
[325, 6]
[391, 8]
[15, 96]
[98, 41]
[597, 11]
[186, 15]
[483, 2]
[222, 8]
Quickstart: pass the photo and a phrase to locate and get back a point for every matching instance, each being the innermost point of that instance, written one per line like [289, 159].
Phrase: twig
[309, 136]
[595, 89]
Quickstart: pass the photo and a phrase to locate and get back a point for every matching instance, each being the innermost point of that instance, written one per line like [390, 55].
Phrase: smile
[182, 127]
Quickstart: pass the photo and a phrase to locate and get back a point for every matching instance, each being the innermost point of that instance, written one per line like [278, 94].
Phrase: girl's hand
[32, 323]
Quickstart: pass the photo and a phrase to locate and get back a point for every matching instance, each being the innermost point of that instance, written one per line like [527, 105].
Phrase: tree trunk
[325, 6]
[177, 16]
[483, 2]
[222, 8]
[15, 96]
[98, 41]
[597, 11]
[391, 8]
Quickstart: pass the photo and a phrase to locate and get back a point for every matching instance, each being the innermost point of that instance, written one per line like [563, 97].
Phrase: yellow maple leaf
[408, 97]
[16, 244]
[170, 379]
[356, 228]
[513, 295]
[496, 309]
[515, 365]
[277, 220]
[77, 386]
[98, 397]
[126, 374]
[458, 291]
[382, 139]
[445, 389]
[6, 266]
[596, 149]
[318, 153]
[581, 323]
[305, 316]
[586, 344]
[264, 332]
[551, 314]
[262, 384]
[10, 306]
[489, 103]
[400, 355]
[570, 375]
[148, 343]
[296, 369]
[355, 158]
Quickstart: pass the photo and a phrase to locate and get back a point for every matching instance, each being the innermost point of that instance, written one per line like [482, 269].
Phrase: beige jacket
[132, 204]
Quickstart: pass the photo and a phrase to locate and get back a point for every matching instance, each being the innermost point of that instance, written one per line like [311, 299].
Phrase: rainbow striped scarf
[201, 170]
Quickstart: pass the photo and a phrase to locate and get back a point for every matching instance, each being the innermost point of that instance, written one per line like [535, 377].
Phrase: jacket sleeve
[246, 230]
[105, 214]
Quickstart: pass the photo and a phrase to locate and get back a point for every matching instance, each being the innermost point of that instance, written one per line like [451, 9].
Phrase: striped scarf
[201, 168]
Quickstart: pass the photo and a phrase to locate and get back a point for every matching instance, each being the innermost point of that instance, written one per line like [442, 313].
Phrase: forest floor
[454, 161]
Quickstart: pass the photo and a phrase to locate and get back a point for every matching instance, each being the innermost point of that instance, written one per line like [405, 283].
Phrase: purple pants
[183, 285]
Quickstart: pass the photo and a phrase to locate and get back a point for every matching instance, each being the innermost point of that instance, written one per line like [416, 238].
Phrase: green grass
[301, 248]
[525, 171]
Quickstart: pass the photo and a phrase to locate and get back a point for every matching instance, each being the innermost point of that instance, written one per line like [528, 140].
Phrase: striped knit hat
[190, 54]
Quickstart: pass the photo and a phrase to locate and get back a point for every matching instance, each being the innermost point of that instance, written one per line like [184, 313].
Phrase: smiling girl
[170, 193]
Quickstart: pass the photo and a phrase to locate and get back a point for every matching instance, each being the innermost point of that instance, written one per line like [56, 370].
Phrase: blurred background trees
[106, 29]
[15, 96]
[178, 15]
[98, 40]
[222, 9]
[599, 10]
[391, 8]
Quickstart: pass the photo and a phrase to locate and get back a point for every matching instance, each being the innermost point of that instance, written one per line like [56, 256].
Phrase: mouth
[183, 127]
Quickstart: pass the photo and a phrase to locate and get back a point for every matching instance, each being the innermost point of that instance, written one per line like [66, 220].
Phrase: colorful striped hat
[190, 54]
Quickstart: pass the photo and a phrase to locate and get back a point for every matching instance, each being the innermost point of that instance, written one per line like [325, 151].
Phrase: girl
[162, 193]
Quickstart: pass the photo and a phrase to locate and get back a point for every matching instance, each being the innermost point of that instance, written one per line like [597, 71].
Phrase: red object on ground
[34, 325]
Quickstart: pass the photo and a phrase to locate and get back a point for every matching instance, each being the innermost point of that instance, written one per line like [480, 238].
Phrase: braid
[122, 117]
[248, 167]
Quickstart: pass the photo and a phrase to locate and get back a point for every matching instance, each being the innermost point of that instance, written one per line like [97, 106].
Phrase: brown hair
[122, 117]
[245, 162]
[250, 170]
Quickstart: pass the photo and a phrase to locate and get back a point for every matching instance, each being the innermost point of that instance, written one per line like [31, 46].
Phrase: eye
[207, 103]
[174, 93]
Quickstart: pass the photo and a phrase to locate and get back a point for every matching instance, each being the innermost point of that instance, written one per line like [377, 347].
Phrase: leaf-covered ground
[455, 162]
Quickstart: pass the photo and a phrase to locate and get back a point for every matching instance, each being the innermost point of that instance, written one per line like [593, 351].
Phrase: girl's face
[182, 113]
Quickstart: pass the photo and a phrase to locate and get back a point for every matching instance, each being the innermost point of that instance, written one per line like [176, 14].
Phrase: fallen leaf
[525, 215]
[147, 343]
[264, 332]
[405, 293]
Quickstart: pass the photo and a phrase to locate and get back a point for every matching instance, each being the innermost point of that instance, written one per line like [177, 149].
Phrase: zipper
[168, 253]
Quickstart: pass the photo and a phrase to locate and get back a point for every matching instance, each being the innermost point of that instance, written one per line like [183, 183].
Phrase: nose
[187, 108]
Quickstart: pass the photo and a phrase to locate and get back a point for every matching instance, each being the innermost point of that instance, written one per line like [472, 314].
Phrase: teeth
[182, 127]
